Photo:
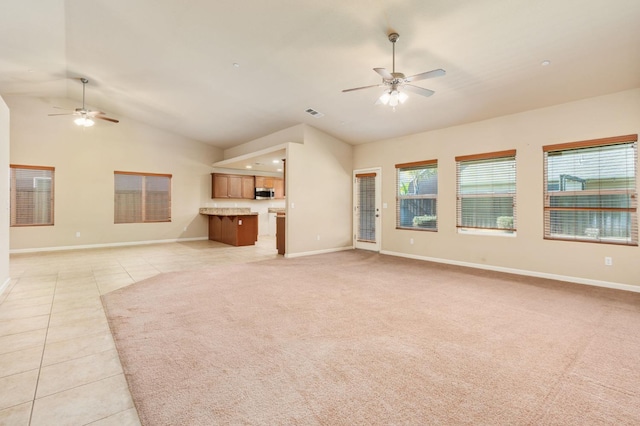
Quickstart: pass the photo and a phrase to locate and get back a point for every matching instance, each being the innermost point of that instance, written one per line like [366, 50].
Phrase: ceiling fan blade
[64, 113]
[94, 113]
[418, 90]
[101, 117]
[428, 74]
[363, 87]
[384, 73]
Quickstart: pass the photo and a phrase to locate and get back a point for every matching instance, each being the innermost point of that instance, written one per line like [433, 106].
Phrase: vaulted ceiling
[170, 63]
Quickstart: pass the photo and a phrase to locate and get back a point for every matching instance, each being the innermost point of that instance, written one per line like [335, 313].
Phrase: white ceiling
[169, 63]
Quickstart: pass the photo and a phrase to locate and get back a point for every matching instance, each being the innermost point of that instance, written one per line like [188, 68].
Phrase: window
[31, 195]
[590, 191]
[486, 192]
[142, 197]
[417, 195]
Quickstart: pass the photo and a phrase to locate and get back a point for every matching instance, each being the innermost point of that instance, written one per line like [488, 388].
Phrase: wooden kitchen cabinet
[265, 182]
[278, 186]
[280, 233]
[239, 230]
[248, 187]
[232, 186]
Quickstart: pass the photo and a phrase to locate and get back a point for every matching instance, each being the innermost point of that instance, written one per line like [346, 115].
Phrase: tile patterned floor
[58, 361]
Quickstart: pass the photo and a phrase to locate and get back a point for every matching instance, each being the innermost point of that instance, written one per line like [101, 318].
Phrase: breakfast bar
[236, 226]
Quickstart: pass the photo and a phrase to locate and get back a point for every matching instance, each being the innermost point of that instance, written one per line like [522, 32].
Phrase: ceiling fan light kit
[395, 81]
[392, 98]
[84, 121]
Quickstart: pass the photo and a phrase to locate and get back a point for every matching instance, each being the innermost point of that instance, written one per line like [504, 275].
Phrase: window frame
[631, 191]
[13, 195]
[143, 209]
[486, 230]
[425, 165]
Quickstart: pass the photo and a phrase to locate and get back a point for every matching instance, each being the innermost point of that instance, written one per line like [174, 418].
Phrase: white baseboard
[90, 246]
[311, 253]
[577, 280]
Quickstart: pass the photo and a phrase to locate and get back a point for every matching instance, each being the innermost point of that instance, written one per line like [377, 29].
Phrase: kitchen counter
[277, 210]
[227, 211]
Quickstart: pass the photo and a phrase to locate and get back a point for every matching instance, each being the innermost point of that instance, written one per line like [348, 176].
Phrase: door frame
[377, 246]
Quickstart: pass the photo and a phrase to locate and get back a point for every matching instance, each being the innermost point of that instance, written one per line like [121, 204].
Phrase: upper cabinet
[278, 186]
[232, 186]
[265, 182]
[243, 187]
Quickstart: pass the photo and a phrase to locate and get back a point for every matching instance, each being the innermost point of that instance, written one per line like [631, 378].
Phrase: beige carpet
[361, 338]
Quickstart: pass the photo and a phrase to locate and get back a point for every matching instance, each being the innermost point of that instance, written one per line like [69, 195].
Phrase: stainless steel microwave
[265, 194]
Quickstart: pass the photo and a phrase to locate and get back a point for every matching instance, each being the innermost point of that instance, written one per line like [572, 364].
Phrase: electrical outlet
[78, 234]
[608, 261]
[410, 240]
[318, 237]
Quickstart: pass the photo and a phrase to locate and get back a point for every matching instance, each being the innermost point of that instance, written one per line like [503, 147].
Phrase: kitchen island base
[237, 228]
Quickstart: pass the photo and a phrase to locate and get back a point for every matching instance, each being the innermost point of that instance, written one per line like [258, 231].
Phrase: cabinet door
[265, 182]
[235, 186]
[219, 186]
[248, 187]
[268, 182]
[278, 186]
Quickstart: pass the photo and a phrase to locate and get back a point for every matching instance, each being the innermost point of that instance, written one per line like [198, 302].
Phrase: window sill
[487, 232]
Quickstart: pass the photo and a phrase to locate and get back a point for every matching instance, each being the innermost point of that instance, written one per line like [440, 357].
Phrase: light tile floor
[58, 361]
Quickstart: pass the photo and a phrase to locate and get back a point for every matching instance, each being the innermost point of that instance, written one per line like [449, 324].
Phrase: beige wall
[612, 115]
[290, 134]
[319, 200]
[4, 195]
[84, 161]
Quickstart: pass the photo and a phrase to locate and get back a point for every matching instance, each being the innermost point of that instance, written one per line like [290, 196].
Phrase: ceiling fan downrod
[393, 37]
[84, 84]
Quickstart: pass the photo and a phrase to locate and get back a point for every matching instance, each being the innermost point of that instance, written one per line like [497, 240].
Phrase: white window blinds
[142, 197]
[31, 195]
[417, 195]
[590, 191]
[486, 192]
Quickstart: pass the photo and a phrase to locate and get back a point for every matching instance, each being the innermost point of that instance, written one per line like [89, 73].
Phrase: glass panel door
[366, 209]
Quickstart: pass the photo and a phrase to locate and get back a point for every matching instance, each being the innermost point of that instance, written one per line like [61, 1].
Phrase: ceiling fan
[85, 116]
[395, 81]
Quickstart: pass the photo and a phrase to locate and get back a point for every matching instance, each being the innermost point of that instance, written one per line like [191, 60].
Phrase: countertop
[279, 210]
[227, 211]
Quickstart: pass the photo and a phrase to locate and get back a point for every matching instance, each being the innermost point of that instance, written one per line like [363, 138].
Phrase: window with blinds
[486, 192]
[142, 197]
[590, 191]
[417, 195]
[31, 195]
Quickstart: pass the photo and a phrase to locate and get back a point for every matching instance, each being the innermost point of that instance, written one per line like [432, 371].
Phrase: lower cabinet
[234, 230]
[280, 235]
